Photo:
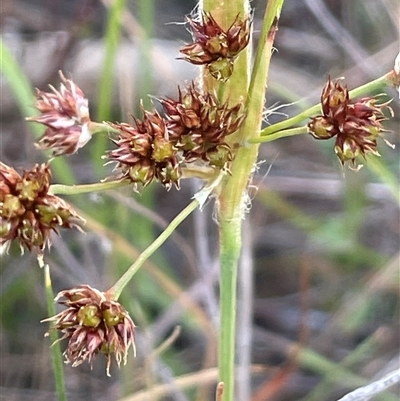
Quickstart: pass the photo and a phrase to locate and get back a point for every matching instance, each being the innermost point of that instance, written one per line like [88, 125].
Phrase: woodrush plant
[212, 131]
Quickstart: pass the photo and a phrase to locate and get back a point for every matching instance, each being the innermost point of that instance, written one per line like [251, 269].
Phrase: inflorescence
[29, 212]
[194, 129]
[356, 124]
[93, 323]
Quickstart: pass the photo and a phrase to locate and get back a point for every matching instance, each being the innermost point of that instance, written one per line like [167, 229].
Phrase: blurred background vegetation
[321, 255]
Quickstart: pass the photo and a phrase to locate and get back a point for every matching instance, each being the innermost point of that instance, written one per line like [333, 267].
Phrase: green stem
[233, 197]
[117, 288]
[232, 91]
[55, 348]
[96, 128]
[230, 245]
[280, 134]
[316, 109]
[204, 173]
[81, 189]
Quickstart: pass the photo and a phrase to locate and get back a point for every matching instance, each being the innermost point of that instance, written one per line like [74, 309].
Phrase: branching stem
[117, 288]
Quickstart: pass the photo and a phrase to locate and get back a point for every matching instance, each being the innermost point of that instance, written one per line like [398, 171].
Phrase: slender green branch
[81, 189]
[376, 84]
[55, 348]
[96, 128]
[117, 288]
[280, 134]
[205, 173]
[316, 109]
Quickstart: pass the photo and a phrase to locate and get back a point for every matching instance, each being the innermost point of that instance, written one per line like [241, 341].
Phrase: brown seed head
[66, 115]
[28, 213]
[93, 323]
[145, 152]
[199, 124]
[215, 47]
[356, 124]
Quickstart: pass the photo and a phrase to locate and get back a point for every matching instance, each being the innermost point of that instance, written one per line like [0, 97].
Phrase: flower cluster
[215, 47]
[146, 152]
[65, 113]
[93, 323]
[199, 125]
[194, 129]
[355, 124]
[28, 212]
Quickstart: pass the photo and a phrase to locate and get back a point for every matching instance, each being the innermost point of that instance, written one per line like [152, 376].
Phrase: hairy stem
[233, 195]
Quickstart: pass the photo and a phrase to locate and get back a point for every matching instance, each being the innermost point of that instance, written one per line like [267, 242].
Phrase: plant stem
[81, 189]
[280, 134]
[233, 91]
[233, 197]
[116, 289]
[55, 348]
[316, 109]
[96, 128]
